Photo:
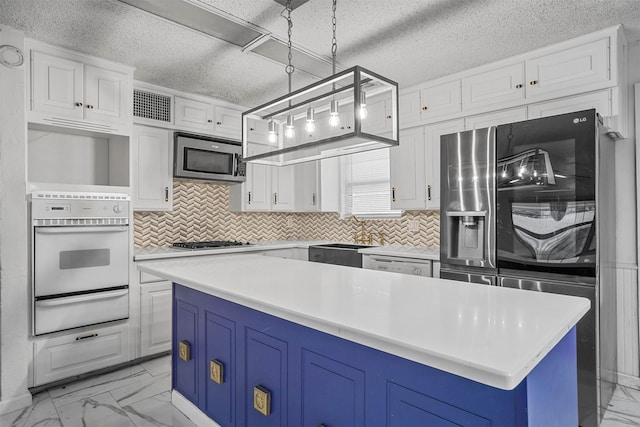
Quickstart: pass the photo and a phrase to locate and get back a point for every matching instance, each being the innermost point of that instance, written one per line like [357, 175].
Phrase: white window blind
[366, 183]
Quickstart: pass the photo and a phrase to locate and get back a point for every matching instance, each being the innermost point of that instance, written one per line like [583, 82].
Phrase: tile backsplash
[200, 212]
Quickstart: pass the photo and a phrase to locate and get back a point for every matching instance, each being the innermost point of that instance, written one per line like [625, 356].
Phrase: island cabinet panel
[185, 358]
[314, 378]
[219, 360]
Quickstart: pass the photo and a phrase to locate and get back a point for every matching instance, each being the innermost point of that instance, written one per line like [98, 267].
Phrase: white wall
[14, 292]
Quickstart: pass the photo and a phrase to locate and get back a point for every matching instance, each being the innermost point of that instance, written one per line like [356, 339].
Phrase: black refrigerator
[548, 225]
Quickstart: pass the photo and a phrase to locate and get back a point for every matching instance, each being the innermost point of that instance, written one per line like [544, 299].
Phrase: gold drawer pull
[184, 350]
[216, 371]
[262, 400]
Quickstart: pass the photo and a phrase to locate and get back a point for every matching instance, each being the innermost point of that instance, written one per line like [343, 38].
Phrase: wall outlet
[414, 225]
[289, 222]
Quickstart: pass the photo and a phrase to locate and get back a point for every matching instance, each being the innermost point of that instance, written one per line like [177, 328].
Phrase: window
[365, 185]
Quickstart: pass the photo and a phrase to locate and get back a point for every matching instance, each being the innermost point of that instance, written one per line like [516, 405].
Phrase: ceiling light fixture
[333, 113]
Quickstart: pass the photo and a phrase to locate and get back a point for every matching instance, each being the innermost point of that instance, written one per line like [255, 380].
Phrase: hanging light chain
[334, 41]
[289, 68]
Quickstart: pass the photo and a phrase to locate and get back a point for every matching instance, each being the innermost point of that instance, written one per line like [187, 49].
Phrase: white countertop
[488, 334]
[414, 252]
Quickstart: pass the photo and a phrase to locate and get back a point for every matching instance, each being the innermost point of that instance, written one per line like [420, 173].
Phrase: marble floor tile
[142, 389]
[157, 411]
[624, 408]
[158, 366]
[97, 385]
[96, 411]
[42, 412]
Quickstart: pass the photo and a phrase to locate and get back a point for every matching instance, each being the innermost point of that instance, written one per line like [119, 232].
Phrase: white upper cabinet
[407, 165]
[77, 91]
[601, 101]
[306, 187]
[441, 99]
[192, 114]
[282, 198]
[494, 87]
[410, 108]
[496, 118]
[569, 71]
[152, 184]
[228, 122]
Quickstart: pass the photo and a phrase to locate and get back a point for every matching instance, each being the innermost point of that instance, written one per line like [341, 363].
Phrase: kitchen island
[267, 341]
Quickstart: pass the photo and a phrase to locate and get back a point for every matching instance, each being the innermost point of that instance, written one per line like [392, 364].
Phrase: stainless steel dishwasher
[337, 253]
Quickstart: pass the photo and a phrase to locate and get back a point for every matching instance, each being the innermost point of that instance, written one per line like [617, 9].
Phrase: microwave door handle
[82, 298]
[235, 164]
[72, 230]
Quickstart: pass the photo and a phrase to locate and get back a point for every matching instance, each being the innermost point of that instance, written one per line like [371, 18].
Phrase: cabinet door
[56, 85]
[282, 187]
[220, 350]
[432, 159]
[494, 87]
[266, 367]
[376, 121]
[193, 115]
[601, 101]
[332, 392]
[407, 170]
[106, 93]
[186, 334]
[228, 122]
[573, 70]
[496, 118]
[306, 187]
[408, 407]
[151, 150]
[410, 108]
[441, 100]
[155, 318]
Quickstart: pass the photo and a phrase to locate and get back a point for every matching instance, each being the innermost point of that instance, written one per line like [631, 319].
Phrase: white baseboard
[192, 412]
[15, 403]
[629, 381]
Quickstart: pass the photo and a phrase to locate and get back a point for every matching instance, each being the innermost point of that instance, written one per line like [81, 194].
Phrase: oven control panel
[53, 205]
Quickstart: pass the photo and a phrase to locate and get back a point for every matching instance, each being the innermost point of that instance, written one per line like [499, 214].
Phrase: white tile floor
[139, 396]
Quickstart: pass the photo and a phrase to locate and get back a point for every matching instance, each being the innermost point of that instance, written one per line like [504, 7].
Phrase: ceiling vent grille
[151, 105]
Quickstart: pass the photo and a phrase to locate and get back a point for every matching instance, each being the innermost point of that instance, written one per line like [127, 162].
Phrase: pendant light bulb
[334, 115]
[289, 131]
[310, 126]
[272, 135]
[363, 105]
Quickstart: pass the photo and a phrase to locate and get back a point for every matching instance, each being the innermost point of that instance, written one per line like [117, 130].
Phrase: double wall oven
[79, 259]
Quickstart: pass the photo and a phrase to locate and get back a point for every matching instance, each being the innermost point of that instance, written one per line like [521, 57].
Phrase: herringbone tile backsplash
[200, 212]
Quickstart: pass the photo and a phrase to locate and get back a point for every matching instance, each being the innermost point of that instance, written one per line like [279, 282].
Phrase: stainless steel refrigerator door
[480, 279]
[586, 340]
[468, 188]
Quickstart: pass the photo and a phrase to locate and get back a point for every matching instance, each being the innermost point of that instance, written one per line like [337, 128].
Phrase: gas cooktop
[209, 244]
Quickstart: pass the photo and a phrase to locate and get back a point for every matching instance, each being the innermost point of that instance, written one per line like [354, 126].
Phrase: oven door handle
[82, 298]
[81, 229]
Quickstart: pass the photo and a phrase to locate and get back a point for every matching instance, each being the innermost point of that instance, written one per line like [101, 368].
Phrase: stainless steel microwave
[205, 158]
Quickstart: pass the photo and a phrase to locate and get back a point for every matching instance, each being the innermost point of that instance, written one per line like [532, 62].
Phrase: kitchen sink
[337, 253]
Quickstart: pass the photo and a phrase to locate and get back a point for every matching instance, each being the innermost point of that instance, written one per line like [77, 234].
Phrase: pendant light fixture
[348, 112]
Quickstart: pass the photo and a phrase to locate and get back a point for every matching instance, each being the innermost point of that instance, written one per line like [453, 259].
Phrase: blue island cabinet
[248, 368]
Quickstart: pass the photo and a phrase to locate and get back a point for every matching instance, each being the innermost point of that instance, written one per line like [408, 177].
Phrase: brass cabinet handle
[424, 108]
[209, 121]
[218, 123]
[518, 86]
[313, 199]
[428, 192]
[78, 104]
[262, 400]
[166, 194]
[388, 117]
[251, 129]
[184, 350]
[393, 194]
[90, 107]
[249, 197]
[533, 82]
[86, 337]
[216, 371]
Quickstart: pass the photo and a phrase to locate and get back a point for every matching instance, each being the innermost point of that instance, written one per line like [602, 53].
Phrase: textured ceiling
[408, 41]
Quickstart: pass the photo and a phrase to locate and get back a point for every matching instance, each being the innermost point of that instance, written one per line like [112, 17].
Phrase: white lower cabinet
[155, 318]
[151, 160]
[77, 353]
